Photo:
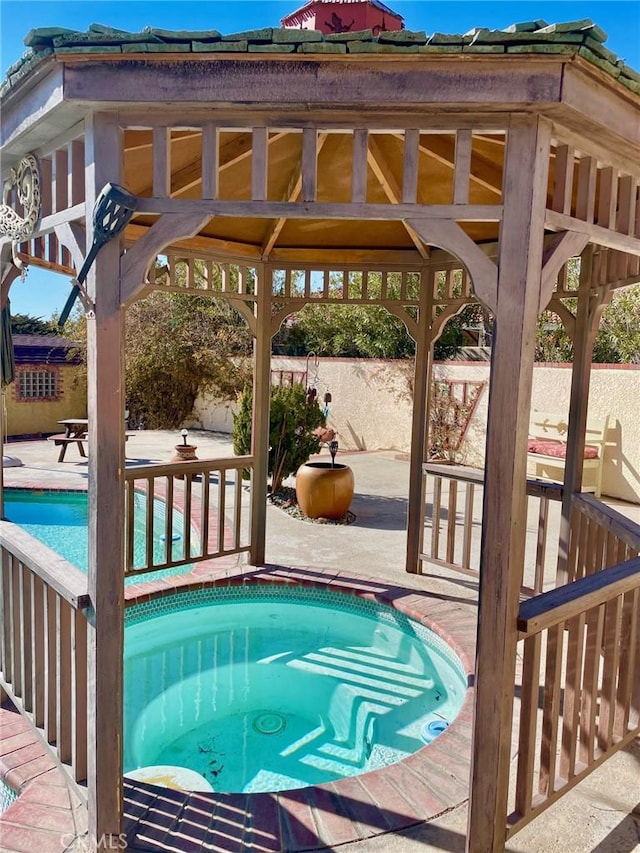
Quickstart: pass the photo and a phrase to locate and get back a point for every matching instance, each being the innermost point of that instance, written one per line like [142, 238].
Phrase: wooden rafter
[382, 170]
[231, 153]
[483, 173]
[292, 193]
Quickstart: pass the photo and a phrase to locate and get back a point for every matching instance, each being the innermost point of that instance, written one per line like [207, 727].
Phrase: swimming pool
[271, 687]
[60, 520]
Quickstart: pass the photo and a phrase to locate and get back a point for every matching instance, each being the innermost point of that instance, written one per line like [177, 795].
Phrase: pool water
[60, 520]
[270, 688]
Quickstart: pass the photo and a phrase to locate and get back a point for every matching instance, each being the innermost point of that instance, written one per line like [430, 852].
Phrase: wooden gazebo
[450, 169]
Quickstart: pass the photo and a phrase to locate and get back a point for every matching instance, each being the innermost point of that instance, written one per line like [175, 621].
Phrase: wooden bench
[63, 441]
[547, 449]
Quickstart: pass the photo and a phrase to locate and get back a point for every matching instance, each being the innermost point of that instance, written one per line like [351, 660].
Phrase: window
[38, 385]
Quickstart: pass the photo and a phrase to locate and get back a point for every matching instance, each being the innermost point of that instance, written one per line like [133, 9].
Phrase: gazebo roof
[277, 77]
[578, 38]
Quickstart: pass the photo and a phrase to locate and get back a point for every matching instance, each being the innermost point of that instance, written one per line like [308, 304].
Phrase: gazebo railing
[580, 697]
[181, 513]
[453, 517]
[43, 644]
[599, 537]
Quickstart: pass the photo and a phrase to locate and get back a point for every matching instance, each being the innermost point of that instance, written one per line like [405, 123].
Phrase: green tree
[553, 344]
[350, 331]
[292, 421]
[25, 324]
[367, 331]
[617, 340]
[178, 345]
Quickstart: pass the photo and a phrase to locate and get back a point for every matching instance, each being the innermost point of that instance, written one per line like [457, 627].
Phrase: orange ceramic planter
[323, 491]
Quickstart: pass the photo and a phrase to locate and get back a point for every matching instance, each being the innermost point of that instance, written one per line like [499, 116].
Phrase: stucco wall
[36, 417]
[371, 408]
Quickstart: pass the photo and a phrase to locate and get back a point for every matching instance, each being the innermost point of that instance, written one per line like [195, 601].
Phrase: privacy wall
[371, 403]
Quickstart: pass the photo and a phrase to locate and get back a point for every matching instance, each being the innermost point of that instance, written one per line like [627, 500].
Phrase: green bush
[292, 421]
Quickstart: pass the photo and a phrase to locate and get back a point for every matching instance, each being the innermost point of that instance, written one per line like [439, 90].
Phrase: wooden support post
[419, 423]
[260, 417]
[578, 404]
[505, 500]
[105, 346]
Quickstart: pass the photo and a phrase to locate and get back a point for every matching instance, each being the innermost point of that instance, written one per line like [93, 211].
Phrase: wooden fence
[599, 537]
[185, 512]
[193, 509]
[580, 697]
[43, 648]
[451, 532]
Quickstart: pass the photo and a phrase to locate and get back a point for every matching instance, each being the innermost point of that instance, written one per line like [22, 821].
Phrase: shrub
[292, 420]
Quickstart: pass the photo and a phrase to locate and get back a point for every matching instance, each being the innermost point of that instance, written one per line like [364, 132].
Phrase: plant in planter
[293, 417]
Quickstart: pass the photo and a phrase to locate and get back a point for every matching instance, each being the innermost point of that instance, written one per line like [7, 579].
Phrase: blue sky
[43, 293]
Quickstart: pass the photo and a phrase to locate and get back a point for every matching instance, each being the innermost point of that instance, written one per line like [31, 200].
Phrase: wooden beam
[505, 499]
[338, 258]
[563, 179]
[161, 159]
[73, 237]
[568, 319]
[596, 233]
[9, 273]
[410, 166]
[627, 206]
[409, 83]
[60, 181]
[565, 602]
[47, 224]
[260, 416]
[325, 210]
[586, 200]
[259, 163]
[607, 202]
[584, 337]
[462, 172]
[359, 166]
[423, 363]
[210, 160]
[310, 152]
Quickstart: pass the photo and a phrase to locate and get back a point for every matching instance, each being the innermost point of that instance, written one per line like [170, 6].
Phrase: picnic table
[75, 432]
